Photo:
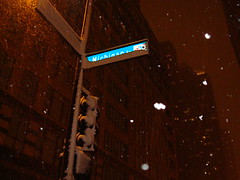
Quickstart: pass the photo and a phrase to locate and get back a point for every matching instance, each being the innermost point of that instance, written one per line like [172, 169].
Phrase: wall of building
[199, 137]
[37, 78]
[232, 14]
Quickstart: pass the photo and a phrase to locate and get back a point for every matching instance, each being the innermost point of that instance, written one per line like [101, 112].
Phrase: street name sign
[115, 54]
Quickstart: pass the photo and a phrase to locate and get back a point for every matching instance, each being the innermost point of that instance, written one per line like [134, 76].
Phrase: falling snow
[216, 61]
[207, 36]
[145, 167]
[159, 106]
[205, 82]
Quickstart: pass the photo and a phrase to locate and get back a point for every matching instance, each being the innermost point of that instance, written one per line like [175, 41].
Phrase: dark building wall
[232, 14]
[37, 79]
[36, 89]
[136, 80]
[199, 139]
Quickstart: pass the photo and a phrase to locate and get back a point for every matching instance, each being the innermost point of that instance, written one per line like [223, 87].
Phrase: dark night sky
[185, 23]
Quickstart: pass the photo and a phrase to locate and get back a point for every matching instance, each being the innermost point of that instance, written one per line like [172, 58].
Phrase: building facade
[38, 73]
[199, 138]
[232, 14]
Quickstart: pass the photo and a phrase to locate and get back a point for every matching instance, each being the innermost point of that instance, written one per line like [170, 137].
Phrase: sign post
[111, 55]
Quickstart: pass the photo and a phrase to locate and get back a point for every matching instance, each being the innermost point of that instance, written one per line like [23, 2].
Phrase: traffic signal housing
[87, 123]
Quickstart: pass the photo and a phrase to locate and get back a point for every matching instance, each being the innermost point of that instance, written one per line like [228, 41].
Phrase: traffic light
[87, 123]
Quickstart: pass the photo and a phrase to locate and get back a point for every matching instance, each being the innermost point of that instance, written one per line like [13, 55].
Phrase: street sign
[54, 17]
[119, 53]
[115, 54]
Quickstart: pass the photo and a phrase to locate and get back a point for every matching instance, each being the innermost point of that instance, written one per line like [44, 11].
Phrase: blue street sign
[119, 51]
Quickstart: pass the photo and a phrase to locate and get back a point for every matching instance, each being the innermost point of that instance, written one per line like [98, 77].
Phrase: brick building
[37, 80]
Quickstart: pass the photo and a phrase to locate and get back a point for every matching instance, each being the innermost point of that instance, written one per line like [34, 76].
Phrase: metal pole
[84, 37]
[72, 146]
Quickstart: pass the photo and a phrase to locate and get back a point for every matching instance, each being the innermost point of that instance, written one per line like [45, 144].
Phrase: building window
[39, 50]
[170, 130]
[63, 71]
[66, 73]
[5, 118]
[110, 172]
[49, 148]
[116, 118]
[115, 147]
[117, 93]
[6, 65]
[33, 134]
[172, 165]
[16, 131]
[56, 106]
[100, 74]
[28, 86]
[139, 114]
[171, 147]
[140, 137]
[22, 134]
[139, 160]
[121, 74]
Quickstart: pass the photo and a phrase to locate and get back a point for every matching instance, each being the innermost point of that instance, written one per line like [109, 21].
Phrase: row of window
[63, 71]
[115, 147]
[110, 172]
[117, 93]
[28, 87]
[121, 74]
[6, 65]
[164, 175]
[112, 17]
[28, 137]
[116, 118]
[56, 106]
